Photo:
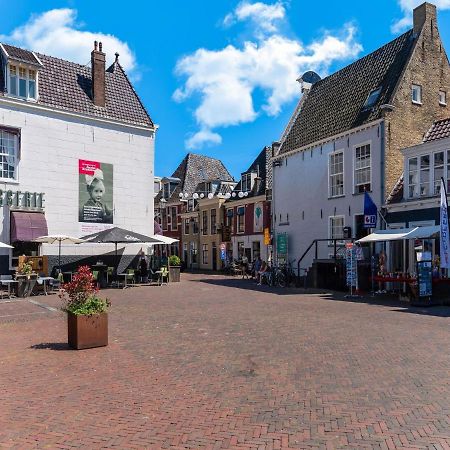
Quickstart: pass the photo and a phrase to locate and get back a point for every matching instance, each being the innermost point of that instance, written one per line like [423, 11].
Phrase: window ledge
[283, 224]
[336, 196]
[416, 103]
[442, 104]
[362, 193]
[8, 181]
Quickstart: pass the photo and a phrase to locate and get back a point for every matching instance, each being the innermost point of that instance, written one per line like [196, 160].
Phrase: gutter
[9, 101]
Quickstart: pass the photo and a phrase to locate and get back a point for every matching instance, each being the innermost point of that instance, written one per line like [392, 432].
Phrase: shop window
[204, 222]
[336, 172]
[9, 142]
[213, 221]
[205, 253]
[416, 94]
[256, 249]
[336, 229]
[362, 169]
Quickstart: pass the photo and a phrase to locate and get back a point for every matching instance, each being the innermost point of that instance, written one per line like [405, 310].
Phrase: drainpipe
[382, 164]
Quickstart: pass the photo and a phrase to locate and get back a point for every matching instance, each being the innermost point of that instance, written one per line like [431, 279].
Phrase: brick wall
[429, 68]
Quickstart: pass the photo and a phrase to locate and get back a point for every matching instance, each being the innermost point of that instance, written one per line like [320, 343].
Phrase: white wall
[52, 144]
[300, 190]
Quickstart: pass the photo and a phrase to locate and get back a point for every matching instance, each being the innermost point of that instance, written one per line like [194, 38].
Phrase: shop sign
[22, 200]
[282, 247]
[258, 218]
[266, 236]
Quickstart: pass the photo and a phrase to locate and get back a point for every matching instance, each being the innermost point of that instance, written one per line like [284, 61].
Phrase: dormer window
[22, 82]
[372, 98]
[247, 180]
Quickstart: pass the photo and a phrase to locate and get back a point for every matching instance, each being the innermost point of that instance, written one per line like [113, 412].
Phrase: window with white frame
[438, 170]
[186, 225]
[174, 219]
[247, 180]
[22, 82]
[205, 254]
[362, 168]
[194, 251]
[425, 173]
[443, 98]
[413, 177]
[336, 228]
[425, 177]
[241, 220]
[336, 171]
[416, 94]
[9, 143]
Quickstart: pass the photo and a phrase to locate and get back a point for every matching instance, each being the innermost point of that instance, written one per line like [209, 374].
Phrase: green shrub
[174, 260]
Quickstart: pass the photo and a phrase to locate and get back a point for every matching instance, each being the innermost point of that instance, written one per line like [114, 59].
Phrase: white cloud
[203, 138]
[262, 15]
[407, 7]
[225, 80]
[56, 33]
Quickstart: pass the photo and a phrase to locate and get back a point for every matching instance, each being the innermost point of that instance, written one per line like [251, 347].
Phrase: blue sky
[218, 77]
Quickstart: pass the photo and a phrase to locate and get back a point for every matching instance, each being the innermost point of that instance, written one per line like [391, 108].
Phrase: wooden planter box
[174, 274]
[87, 331]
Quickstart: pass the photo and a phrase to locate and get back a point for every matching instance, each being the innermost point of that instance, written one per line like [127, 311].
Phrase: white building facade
[61, 142]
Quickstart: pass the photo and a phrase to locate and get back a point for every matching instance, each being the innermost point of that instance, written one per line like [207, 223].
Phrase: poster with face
[258, 218]
[95, 202]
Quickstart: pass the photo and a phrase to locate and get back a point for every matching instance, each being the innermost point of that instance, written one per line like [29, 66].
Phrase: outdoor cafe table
[9, 283]
[124, 275]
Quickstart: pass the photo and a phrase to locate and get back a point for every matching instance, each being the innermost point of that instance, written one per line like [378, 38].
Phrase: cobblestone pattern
[209, 363]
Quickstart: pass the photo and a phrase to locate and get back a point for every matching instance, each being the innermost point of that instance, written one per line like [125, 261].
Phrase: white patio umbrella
[3, 245]
[58, 238]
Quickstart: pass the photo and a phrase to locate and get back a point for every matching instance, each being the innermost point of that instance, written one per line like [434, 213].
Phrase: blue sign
[370, 212]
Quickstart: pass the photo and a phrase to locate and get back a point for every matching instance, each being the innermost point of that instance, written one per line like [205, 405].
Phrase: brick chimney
[98, 61]
[424, 13]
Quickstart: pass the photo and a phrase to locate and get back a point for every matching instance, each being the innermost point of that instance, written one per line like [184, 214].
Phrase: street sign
[282, 247]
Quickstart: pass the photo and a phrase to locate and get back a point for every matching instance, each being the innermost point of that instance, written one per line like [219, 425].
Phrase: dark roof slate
[195, 169]
[67, 86]
[20, 54]
[262, 166]
[336, 103]
[439, 130]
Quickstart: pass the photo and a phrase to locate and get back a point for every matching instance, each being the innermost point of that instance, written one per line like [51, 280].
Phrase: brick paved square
[213, 362]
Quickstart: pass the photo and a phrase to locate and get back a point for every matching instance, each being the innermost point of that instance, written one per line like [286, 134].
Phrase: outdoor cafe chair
[164, 275]
[131, 276]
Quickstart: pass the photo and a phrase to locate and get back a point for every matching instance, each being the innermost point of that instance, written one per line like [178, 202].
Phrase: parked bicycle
[277, 277]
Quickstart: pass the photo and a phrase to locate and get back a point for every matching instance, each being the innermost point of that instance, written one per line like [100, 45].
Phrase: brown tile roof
[19, 54]
[67, 86]
[336, 103]
[439, 130]
[396, 195]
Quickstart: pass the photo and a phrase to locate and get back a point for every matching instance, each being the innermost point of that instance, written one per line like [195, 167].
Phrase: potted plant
[87, 317]
[174, 268]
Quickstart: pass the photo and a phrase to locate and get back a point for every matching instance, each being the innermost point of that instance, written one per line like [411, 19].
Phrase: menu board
[424, 278]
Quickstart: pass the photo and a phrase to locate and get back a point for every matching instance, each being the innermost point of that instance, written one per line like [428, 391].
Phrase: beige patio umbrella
[59, 238]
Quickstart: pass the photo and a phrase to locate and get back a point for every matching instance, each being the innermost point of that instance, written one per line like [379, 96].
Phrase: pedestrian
[143, 268]
[263, 273]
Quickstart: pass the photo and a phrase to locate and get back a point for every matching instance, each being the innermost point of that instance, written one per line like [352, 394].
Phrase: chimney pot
[424, 13]
[117, 56]
[100, 46]
[95, 45]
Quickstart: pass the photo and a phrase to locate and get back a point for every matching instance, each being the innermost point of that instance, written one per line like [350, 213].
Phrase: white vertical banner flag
[445, 236]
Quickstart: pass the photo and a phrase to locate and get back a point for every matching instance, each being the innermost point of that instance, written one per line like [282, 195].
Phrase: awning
[27, 226]
[164, 240]
[401, 234]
